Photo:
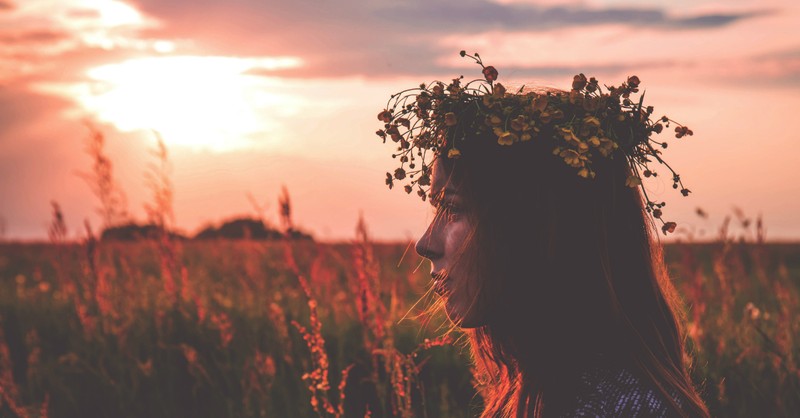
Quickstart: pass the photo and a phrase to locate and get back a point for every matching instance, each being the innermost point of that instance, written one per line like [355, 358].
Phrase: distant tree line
[236, 228]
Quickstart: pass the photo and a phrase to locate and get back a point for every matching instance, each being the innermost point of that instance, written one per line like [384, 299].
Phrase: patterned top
[617, 392]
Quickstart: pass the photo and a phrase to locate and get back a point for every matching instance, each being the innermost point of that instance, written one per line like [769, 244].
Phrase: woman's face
[456, 282]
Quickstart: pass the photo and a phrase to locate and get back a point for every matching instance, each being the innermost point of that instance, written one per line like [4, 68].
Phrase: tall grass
[293, 328]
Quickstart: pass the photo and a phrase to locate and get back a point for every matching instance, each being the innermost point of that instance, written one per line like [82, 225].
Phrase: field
[221, 328]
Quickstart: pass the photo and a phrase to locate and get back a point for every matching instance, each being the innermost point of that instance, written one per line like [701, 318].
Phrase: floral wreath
[581, 123]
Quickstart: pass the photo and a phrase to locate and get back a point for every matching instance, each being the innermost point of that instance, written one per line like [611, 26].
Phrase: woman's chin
[460, 318]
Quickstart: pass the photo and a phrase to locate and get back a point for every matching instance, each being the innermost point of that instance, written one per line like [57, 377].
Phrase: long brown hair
[570, 272]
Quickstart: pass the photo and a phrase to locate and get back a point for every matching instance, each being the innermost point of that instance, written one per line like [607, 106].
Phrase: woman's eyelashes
[448, 210]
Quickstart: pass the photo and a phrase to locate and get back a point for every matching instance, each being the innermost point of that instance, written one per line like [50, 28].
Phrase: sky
[253, 95]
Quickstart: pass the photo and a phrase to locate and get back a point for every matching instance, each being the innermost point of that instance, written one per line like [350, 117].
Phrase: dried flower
[583, 124]
[490, 73]
[579, 82]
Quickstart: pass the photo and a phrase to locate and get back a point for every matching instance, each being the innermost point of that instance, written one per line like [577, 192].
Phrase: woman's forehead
[442, 181]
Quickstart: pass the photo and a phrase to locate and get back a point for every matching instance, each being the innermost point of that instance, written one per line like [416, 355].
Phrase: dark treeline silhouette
[237, 228]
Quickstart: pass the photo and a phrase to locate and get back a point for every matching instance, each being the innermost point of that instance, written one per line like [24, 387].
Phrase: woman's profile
[543, 248]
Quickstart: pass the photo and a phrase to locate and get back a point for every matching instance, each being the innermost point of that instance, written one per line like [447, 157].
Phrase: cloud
[28, 37]
[379, 38]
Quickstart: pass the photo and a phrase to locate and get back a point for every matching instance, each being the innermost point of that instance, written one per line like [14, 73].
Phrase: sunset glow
[250, 96]
[196, 102]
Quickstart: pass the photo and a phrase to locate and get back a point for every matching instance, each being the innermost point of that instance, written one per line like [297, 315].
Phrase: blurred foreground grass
[165, 328]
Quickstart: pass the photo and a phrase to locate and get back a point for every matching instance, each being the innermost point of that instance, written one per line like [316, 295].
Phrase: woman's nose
[428, 246]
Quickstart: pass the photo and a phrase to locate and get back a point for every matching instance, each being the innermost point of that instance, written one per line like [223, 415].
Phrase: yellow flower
[592, 121]
[569, 135]
[525, 137]
[571, 157]
[499, 90]
[539, 103]
[586, 173]
[454, 153]
[633, 181]
[507, 138]
[450, 119]
[520, 124]
[582, 146]
[607, 146]
[594, 141]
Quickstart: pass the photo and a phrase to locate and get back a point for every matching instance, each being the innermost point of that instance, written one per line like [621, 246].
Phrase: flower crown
[581, 124]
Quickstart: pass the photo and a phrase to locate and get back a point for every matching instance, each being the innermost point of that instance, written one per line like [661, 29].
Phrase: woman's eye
[448, 209]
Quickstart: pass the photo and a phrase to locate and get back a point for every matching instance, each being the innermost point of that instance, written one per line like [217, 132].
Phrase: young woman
[555, 277]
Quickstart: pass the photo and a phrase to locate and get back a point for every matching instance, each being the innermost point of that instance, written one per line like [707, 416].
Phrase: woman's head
[542, 244]
[547, 269]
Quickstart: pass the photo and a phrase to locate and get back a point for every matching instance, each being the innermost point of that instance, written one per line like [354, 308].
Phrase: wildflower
[592, 85]
[571, 157]
[633, 181]
[450, 119]
[423, 100]
[668, 227]
[545, 117]
[507, 138]
[539, 103]
[389, 181]
[385, 116]
[498, 91]
[592, 121]
[519, 123]
[568, 135]
[490, 73]
[424, 180]
[578, 120]
[579, 82]
[399, 174]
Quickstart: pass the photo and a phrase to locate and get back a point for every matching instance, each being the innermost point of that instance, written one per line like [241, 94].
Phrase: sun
[200, 102]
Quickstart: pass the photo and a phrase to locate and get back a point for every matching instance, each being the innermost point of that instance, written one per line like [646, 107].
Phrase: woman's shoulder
[618, 392]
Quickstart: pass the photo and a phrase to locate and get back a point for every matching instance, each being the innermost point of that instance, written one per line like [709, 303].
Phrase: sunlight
[193, 101]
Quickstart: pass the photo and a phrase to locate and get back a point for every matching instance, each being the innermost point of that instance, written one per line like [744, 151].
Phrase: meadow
[293, 328]
[165, 326]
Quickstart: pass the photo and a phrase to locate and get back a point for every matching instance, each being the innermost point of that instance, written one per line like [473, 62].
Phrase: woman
[555, 277]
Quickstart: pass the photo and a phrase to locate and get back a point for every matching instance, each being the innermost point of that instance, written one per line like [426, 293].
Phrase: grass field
[166, 328]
